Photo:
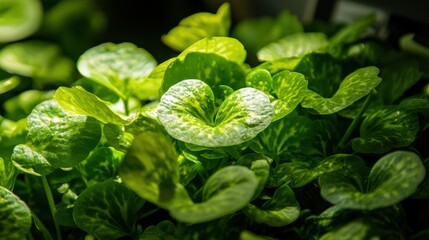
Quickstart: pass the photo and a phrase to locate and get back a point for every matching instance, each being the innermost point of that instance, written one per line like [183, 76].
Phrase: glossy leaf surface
[55, 139]
[187, 111]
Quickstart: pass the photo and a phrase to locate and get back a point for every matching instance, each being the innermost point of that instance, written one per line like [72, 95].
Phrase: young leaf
[289, 88]
[119, 67]
[281, 210]
[393, 178]
[355, 86]
[77, 100]
[15, 216]
[19, 19]
[211, 68]
[199, 26]
[9, 84]
[187, 111]
[107, 211]
[286, 135]
[227, 47]
[8, 173]
[391, 127]
[352, 32]
[299, 173]
[295, 45]
[55, 139]
[260, 79]
[225, 192]
[150, 167]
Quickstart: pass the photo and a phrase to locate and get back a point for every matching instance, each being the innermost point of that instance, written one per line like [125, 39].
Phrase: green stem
[51, 203]
[41, 227]
[126, 106]
[355, 122]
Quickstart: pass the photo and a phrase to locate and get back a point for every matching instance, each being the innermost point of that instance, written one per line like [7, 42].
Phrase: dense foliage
[264, 130]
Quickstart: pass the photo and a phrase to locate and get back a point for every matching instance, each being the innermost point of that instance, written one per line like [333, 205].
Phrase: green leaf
[260, 165]
[19, 19]
[55, 139]
[393, 178]
[77, 100]
[398, 77]
[423, 190]
[102, 165]
[281, 210]
[322, 71]
[211, 68]
[37, 59]
[286, 135]
[295, 45]
[150, 167]
[353, 87]
[290, 89]
[225, 192]
[198, 26]
[163, 230]
[8, 173]
[120, 67]
[227, 47]
[255, 33]
[390, 127]
[187, 111]
[107, 211]
[356, 230]
[15, 216]
[9, 84]
[260, 79]
[281, 64]
[300, 173]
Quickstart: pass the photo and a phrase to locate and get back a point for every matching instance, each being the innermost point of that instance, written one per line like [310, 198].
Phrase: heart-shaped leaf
[226, 191]
[187, 111]
[353, 87]
[391, 127]
[55, 139]
[107, 211]
[281, 210]
[15, 216]
[393, 178]
[120, 67]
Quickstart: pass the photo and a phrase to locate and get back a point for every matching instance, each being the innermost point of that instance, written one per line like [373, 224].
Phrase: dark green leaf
[15, 216]
[107, 211]
[393, 178]
[391, 127]
[211, 68]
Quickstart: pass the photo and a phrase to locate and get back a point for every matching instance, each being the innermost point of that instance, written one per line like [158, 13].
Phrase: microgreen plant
[324, 137]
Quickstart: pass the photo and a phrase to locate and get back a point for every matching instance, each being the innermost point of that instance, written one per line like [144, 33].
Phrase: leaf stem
[126, 106]
[42, 228]
[51, 203]
[355, 122]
